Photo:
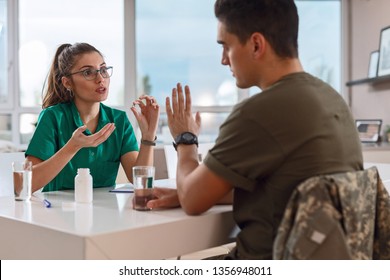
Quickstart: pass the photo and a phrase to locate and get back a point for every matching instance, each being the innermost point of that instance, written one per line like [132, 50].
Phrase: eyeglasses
[91, 74]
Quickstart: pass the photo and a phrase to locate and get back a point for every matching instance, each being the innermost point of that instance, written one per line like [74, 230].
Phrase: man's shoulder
[299, 78]
[303, 84]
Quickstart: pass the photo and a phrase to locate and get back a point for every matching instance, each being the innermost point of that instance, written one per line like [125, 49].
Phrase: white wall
[366, 19]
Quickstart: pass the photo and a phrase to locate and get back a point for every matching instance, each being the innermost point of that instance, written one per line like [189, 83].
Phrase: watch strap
[149, 143]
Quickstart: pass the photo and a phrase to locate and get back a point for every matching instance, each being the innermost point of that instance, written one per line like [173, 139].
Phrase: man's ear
[258, 43]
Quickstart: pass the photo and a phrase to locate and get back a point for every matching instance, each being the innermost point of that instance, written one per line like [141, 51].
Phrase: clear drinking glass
[22, 173]
[143, 178]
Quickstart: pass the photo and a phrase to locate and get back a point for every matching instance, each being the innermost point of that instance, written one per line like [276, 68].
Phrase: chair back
[171, 157]
[159, 163]
[337, 216]
[171, 160]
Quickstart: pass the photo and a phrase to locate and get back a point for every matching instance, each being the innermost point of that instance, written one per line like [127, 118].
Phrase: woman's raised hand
[147, 117]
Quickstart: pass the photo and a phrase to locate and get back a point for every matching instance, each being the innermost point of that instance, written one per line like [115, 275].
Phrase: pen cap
[83, 184]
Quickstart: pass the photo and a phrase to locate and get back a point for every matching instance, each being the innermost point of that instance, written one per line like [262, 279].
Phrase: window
[3, 53]
[5, 127]
[27, 124]
[179, 45]
[44, 26]
[321, 55]
[211, 121]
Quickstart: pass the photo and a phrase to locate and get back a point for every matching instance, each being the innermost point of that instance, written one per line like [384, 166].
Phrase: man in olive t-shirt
[300, 128]
[296, 128]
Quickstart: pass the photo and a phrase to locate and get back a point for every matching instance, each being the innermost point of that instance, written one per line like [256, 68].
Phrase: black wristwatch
[186, 138]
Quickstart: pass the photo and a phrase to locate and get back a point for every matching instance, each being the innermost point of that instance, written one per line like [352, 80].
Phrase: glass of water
[143, 177]
[22, 173]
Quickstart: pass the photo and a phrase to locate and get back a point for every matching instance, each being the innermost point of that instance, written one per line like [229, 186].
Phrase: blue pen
[45, 202]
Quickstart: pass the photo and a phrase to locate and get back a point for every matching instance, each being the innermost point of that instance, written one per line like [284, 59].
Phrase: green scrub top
[54, 129]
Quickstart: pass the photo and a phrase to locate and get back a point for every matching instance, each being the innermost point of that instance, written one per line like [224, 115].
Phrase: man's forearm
[187, 162]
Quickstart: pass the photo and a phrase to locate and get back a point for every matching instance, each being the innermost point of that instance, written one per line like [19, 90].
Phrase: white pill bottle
[83, 186]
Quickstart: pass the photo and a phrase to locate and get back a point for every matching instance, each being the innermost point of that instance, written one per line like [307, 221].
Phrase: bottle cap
[83, 170]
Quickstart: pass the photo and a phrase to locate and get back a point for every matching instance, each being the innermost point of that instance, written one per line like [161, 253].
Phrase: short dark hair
[277, 20]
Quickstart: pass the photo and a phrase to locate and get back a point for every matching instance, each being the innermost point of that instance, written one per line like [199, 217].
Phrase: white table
[107, 229]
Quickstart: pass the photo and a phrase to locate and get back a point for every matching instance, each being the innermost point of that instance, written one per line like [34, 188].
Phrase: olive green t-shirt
[54, 129]
[298, 128]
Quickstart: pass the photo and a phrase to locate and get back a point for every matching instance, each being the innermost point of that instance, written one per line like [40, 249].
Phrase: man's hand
[179, 115]
[164, 198]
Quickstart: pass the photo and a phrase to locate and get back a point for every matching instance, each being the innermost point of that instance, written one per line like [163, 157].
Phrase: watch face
[178, 137]
[188, 136]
